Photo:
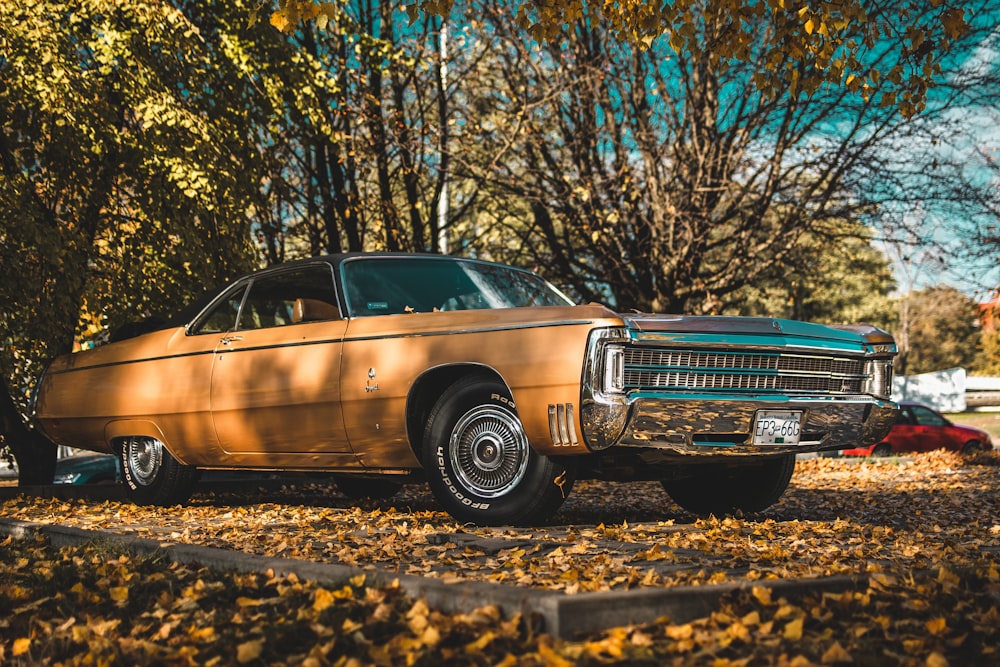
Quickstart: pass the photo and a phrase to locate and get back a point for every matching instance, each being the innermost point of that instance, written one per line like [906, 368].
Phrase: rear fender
[125, 428]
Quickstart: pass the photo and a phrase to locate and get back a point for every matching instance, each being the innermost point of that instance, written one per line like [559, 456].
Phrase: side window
[222, 317]
[926, 417]
[290, 297]
[368, 289]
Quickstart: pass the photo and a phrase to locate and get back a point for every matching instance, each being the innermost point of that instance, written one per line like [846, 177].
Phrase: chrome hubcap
[143, 456]
[488, 451]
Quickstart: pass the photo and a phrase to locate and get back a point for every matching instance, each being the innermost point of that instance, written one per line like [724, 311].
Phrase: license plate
[777, 427]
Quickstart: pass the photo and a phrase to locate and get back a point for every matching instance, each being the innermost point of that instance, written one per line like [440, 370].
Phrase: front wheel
[717, 489]
[479, 464]
[972, 447]
[152, 475]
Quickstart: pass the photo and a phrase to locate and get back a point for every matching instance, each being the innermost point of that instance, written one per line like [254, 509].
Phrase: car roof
[336, 259]
[197, 305]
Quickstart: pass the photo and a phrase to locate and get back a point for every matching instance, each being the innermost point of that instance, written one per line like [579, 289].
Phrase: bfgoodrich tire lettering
[152, 475]
[479, 464]
[720, 490]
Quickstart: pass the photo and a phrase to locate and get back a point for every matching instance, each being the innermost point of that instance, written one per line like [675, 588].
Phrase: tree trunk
[34, 453]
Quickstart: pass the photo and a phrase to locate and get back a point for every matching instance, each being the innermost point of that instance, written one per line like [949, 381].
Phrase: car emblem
[776, 324]
[369, 385]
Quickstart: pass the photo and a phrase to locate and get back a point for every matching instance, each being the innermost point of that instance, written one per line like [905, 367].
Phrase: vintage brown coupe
[480, 378]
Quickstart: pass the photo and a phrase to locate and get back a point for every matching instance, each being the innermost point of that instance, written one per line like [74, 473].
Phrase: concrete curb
[556, 613]
[95, 492]
[103, 492]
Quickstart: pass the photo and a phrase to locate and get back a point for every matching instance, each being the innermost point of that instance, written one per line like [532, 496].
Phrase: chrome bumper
[721, 425]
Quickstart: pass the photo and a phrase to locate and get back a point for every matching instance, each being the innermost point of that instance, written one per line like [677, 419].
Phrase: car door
[905, 433]
[933, 430]
[276, 377]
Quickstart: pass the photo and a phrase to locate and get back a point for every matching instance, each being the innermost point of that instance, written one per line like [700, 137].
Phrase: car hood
[972, 431]
[756, 332]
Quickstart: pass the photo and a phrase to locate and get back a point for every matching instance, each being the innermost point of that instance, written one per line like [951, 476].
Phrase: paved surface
[640, 542]
[555, 613]
[840, 521]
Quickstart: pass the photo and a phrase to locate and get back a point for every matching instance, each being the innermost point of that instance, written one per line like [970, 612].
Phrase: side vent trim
[562, 425]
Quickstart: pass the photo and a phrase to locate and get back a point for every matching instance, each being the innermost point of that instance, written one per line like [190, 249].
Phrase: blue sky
[938, 244]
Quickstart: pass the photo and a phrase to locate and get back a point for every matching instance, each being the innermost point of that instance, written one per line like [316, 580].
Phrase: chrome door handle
[229, 339]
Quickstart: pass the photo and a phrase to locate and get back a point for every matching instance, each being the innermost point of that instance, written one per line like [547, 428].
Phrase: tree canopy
[942, 331]
[656, 180]
[126, 174]
[797, 47]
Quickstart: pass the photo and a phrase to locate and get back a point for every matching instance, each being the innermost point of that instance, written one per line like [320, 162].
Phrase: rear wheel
[152, 475]
[479, 464]
[717, 489]
[882, 449]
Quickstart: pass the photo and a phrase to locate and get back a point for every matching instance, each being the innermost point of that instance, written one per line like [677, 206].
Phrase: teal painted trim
[688, 396]
[789, 344]
[768, 398]
[725, 370]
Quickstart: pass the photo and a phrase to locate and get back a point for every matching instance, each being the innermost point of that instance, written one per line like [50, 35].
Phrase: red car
[919, 428]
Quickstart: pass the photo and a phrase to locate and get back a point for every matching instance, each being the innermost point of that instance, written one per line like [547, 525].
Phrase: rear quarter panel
[159, 379]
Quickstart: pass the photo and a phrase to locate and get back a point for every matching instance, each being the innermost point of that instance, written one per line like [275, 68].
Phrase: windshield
[394, 285]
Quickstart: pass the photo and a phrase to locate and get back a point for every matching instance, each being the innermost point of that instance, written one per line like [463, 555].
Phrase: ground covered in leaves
[923, 532]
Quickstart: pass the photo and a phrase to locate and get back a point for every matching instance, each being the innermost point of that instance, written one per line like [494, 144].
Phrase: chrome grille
[658, 369]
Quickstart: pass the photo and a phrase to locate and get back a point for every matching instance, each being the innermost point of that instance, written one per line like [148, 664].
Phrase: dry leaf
[835, 654]
[793, 630]
[248, 651]
[21, 646]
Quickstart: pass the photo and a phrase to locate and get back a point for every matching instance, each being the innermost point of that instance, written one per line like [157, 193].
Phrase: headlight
[878, 378]
[603, 404]
[614, 370]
